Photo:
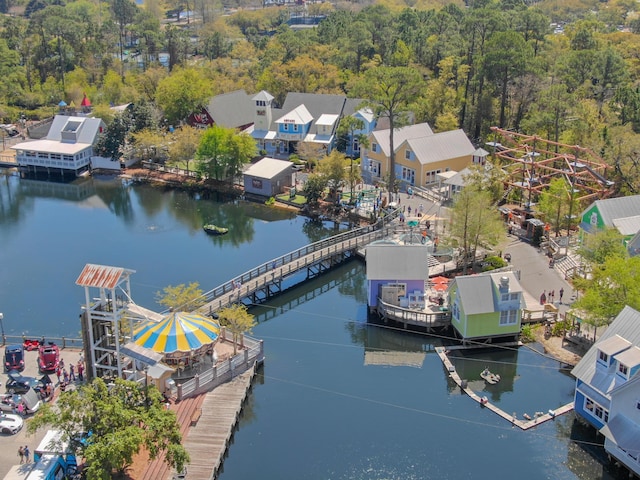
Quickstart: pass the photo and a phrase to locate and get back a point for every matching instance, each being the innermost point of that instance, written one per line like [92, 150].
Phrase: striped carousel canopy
[178, 332]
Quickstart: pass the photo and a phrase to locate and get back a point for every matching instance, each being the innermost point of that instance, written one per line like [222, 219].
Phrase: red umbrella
[440, 279]
[440, 287]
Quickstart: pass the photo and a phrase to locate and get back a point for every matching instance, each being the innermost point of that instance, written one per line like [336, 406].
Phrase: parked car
[30, 400]
[14, 358]
[48, 357]
[18, 383]
[10, 424]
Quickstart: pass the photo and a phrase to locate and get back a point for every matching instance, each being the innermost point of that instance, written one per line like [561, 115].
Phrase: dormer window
[623, 369]
[603, 357]
[407, 154]
[374, 147]
[505, 297]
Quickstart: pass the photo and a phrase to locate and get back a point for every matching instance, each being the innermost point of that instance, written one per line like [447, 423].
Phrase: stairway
[567, 266]
[157, 469]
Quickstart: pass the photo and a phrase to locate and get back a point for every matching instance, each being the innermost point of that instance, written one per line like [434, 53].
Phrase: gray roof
[626, 325]
[627, 225]
[316, 104]
[613, 345]
[400, 135]
[477, 293]
[232, 110]
[441, 146]
[623, 432]
[612, 208]
[397, 262]
[630, 357]
[87, 128]
[458, 178]
[268, 168]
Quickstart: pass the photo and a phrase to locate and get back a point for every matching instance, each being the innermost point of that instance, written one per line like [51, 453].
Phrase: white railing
[224, 371]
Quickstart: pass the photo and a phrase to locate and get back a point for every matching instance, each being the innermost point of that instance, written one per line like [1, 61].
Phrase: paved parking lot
[9, 443]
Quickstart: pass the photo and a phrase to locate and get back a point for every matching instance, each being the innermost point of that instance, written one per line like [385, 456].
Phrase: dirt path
[565, 352]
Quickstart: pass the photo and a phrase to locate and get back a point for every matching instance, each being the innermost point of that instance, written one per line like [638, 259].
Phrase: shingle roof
[298, 116]
[232, 110]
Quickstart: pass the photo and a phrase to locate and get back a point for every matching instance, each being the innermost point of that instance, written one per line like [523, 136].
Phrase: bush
[271, 201]
[560, 327]
[526, 334]
[493, 262]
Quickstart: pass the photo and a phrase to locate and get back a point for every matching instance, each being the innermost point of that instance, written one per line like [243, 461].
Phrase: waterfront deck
[208, 440]
[525, 424]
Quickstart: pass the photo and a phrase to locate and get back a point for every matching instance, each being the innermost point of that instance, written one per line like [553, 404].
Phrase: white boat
[489, 377]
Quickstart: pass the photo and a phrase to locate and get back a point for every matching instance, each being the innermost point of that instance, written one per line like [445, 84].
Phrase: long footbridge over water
[267, 280]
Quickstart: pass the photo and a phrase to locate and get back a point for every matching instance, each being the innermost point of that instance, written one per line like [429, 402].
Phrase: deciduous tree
[238, 321]
[181, 297]
[123, 417]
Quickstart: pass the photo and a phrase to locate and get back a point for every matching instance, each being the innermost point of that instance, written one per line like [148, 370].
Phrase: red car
[48, 357]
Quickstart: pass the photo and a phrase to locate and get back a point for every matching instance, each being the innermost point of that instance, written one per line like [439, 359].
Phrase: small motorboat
[212, 229]
[489, 377]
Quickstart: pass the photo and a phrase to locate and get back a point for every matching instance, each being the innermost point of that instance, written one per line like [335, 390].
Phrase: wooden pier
[522, 424]
[208, 440]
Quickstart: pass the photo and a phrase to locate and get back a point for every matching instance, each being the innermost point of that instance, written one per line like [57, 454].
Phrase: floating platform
[522, 424]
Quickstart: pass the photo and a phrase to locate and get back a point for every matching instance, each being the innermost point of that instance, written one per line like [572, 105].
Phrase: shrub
[526, 334]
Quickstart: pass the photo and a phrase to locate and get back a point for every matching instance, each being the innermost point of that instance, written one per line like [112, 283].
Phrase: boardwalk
[523, 424]
[208, 440]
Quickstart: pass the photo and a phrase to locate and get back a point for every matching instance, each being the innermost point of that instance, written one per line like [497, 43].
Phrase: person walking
[552, 294]
[543, 297]
[58, 373]
[561, 293]
[27, 454]
[80, 371]
[21, 453]
[72, 372]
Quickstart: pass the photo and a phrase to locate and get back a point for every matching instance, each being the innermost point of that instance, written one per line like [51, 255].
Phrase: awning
[141, 354]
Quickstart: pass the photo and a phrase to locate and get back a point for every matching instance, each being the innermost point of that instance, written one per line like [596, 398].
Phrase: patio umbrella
[440, 279]
[62, 103]
[179, 332]
[440, 287]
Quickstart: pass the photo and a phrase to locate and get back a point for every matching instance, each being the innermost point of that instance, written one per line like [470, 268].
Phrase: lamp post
[2, 327]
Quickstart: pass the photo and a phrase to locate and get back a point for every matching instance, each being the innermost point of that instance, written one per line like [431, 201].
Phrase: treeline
[566, 72]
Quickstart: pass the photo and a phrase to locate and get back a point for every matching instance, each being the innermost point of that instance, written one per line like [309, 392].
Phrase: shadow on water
[585, 447]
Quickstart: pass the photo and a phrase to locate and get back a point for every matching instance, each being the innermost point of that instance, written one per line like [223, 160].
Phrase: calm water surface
[338, 398]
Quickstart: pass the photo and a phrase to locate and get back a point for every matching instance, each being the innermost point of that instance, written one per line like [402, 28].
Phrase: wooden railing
[414, 317]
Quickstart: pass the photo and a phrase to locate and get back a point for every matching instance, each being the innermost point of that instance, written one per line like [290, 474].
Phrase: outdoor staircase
[185, 411]
[568, 266]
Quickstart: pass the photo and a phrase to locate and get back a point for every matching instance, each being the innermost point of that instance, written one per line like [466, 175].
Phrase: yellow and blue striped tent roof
[178, 332]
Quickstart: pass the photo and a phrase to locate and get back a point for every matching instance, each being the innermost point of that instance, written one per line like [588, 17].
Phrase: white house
[67, 148]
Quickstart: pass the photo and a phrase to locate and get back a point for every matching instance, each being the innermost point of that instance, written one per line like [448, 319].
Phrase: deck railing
[224, 371]
[414, 317]
[62, 342]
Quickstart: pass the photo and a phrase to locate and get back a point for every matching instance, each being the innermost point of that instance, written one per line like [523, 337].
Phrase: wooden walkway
[523, 424]
[208, 440]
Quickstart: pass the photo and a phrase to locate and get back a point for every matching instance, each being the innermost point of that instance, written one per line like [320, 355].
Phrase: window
[356, 145]
[603, 356]
[295, 128]
[374, 147]
[456, 312]
[286, 127]
[407, 154]
[596, 410]
[623, 369]
[515, 296]
[374, 168]
[505, 297]
[508, 317]
[408, 175]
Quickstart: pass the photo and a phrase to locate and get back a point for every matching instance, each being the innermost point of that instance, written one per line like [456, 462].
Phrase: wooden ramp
[208, 440]
[523, 424]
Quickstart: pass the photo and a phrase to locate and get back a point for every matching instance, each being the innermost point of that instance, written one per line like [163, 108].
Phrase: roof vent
[504, 281]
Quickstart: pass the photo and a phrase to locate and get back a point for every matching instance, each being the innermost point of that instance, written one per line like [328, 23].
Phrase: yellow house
[420, 154]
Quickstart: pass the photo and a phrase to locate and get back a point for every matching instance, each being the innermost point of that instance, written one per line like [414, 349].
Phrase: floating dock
[523, 424]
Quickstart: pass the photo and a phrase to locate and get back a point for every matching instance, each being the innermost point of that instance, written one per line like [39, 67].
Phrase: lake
[338, 398]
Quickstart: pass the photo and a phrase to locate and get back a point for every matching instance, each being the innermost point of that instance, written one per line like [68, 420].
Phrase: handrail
[62, 342]
[347, 240]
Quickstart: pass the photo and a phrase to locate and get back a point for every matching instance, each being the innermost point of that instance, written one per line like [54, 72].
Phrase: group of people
[24, 453]
[65, 377]
[551, 296]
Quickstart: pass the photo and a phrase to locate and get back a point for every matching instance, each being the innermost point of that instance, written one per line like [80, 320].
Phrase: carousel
[185, 340]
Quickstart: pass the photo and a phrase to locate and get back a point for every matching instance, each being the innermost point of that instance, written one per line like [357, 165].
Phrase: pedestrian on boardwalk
[61, 363]
[552, 294]
[543, 297]
[80, 371]
[27, 454]
[21, 453]
[58, 373]
[409, 209]
[80, 358]
[65, 376]
[561, 293]
[72, 373]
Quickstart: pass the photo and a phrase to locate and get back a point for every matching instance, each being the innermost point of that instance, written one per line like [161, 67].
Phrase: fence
[62, 342]
[168, 169]
[224, 371]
